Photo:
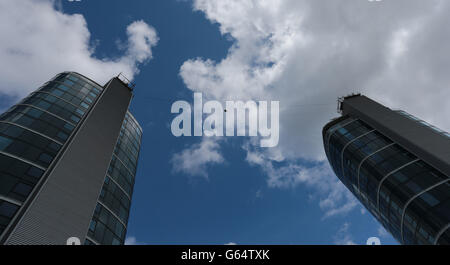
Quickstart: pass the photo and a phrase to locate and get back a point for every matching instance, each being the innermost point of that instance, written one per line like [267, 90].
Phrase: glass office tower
[397, 165]
[68, 157]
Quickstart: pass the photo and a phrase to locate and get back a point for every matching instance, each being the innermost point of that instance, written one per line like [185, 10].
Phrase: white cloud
[259, 194]
[231, 244]
[141, 38]
[334, 198]
[132, 241]
[382, 232]
[195, 159]
[38, 41]
[343, 236]
[307, 53]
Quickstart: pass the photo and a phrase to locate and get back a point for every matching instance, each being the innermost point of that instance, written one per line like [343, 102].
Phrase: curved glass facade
[410, 198]
[109, 223]
[33, 133]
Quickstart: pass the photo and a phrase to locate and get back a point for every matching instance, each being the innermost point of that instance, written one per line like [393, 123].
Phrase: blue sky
[234, 204]
[303, 53]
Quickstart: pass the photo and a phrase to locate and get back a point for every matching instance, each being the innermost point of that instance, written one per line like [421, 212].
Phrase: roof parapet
[341, 100]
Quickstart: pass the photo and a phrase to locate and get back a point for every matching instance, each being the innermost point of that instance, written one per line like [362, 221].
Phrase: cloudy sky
[304, 54]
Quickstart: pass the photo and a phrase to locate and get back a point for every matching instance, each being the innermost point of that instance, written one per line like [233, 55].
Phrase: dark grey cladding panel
[65, 205]
[420, 140]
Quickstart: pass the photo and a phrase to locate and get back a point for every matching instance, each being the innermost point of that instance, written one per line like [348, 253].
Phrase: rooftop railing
[126, 81]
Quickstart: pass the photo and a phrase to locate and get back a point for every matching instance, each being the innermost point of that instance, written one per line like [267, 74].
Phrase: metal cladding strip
[33, 131]
[48, 93]
[27, 162]
[10, 200]
[123, 164]
[135, 121]
[345, 147]
[23, 160]
[64, 84]
[120, 187]
[364, 160]
[92, 82]
[334, 130]
[112, 213]
[43, 110]
[412, 199]
[441, 233]
[389, 174]
[92, 240]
